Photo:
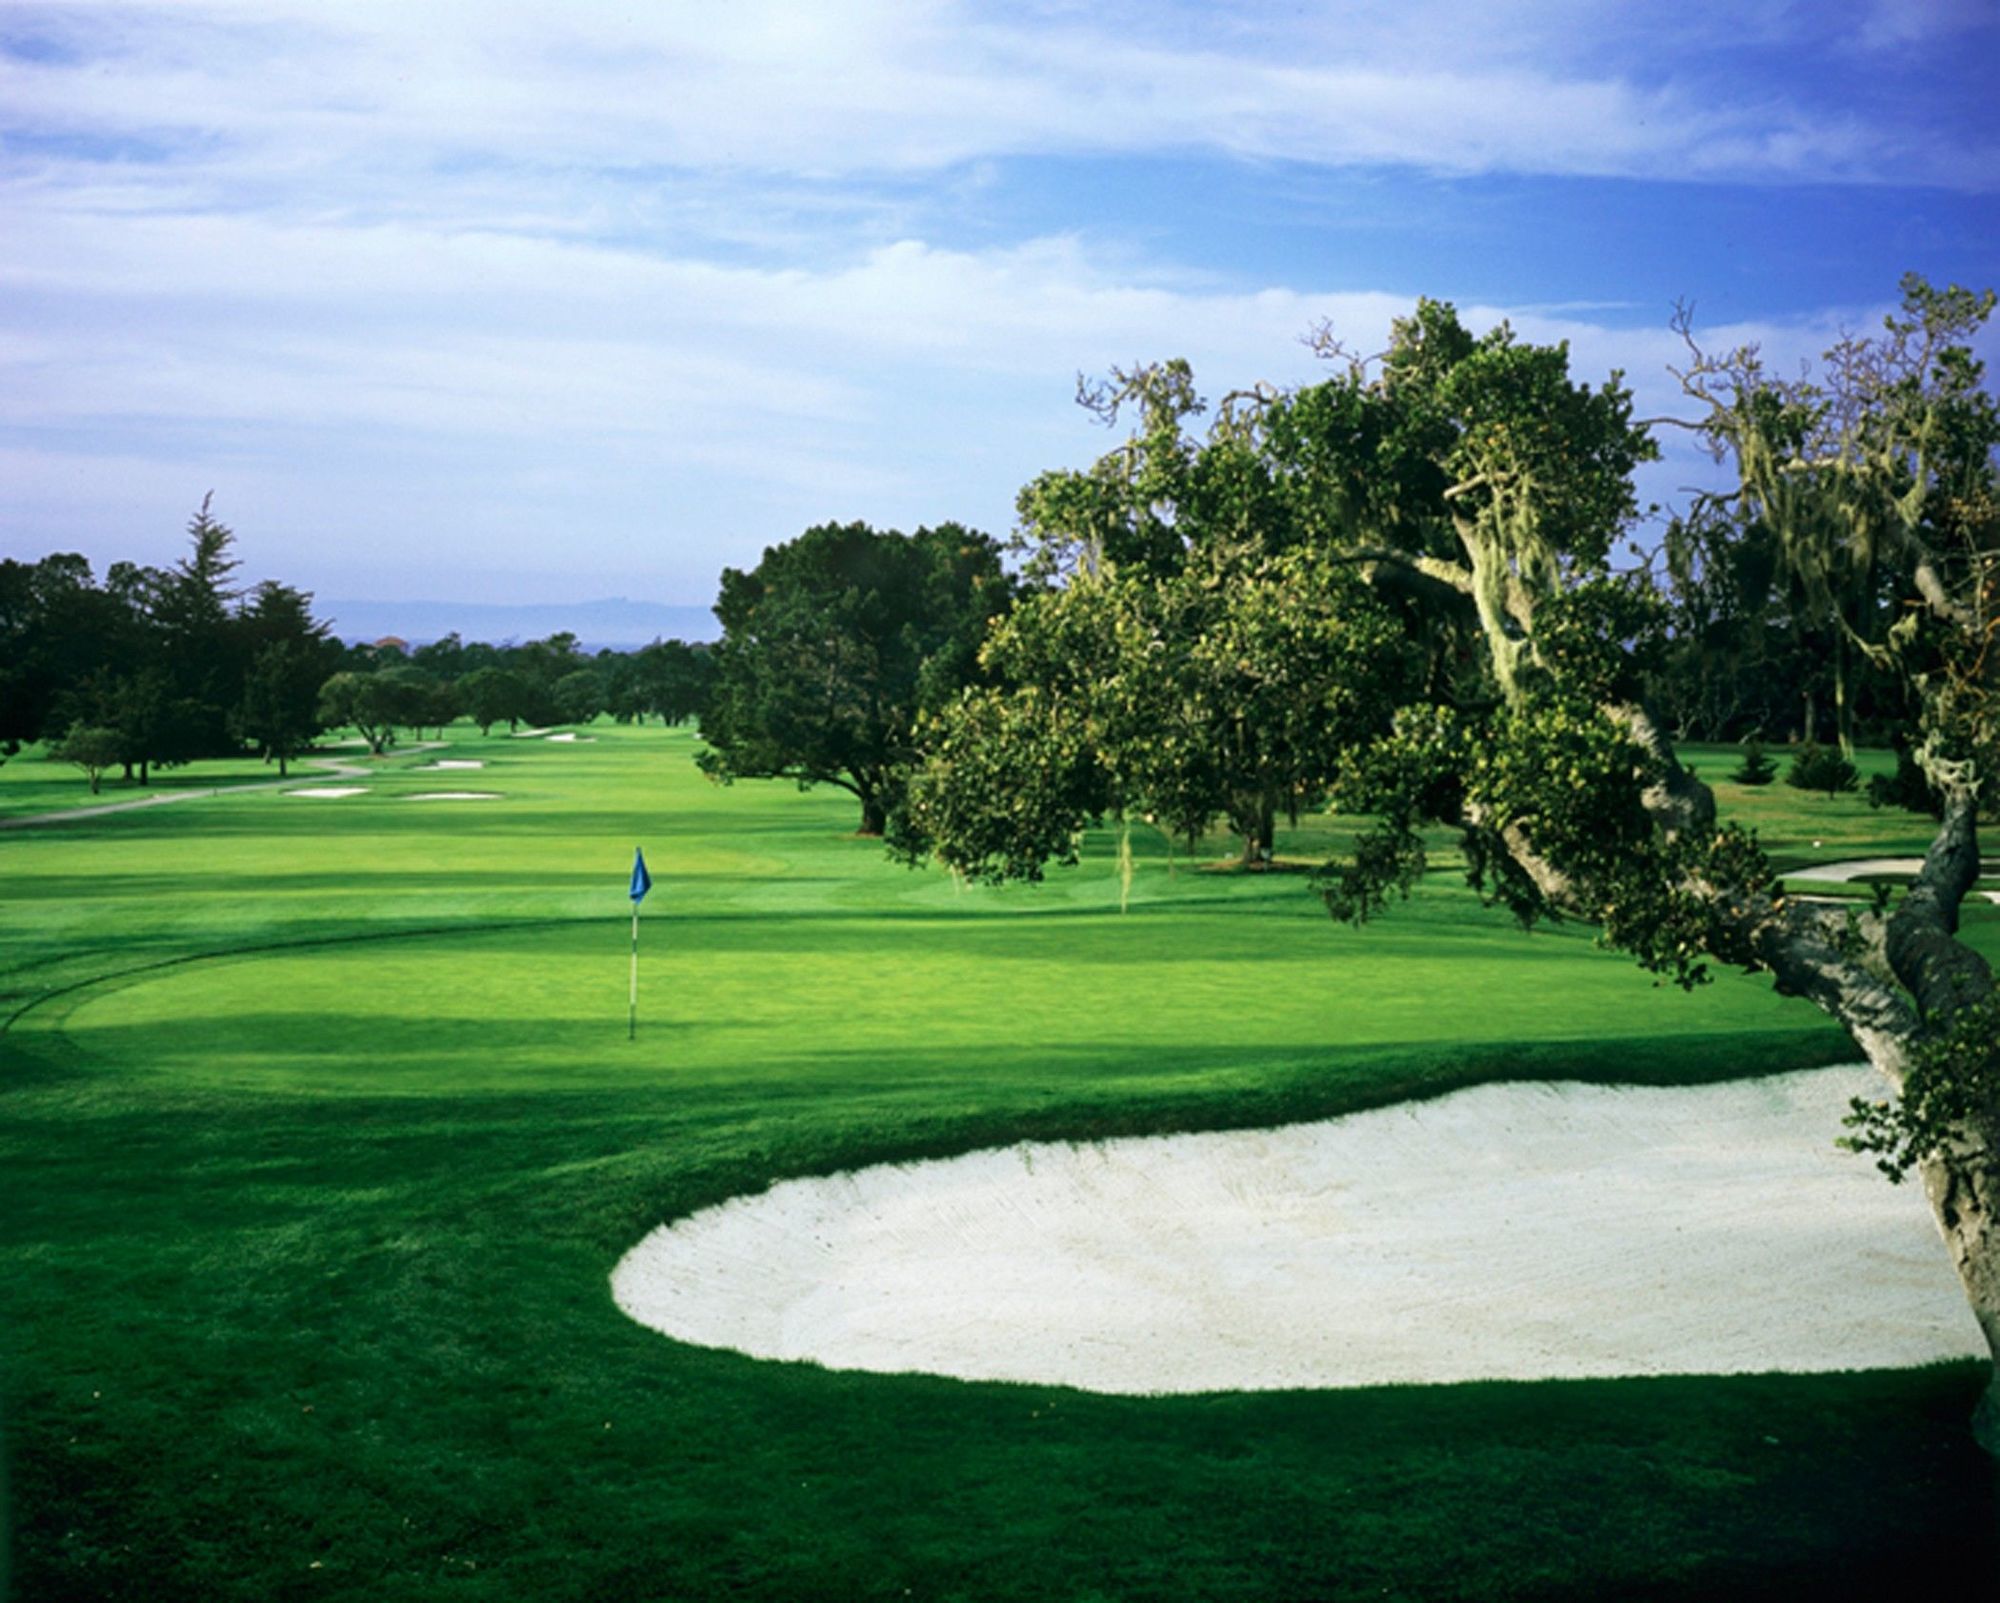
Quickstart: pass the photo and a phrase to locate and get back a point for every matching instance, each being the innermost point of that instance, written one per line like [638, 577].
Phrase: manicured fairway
[320, 1133]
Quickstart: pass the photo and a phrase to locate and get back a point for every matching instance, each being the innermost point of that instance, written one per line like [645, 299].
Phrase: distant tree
[492, 695]
[356, 701]
[1816, 767]
[93, 749]
[444, 659]
[1757, 767]
[674, 679]
[195, 641]
[832, 646]
[290, 655]
[442, 704]
[579, 695]
[279, 713]
[624, 698]
[545, 661]
[57, 629]
[161, 656]
[404, 697]
[157, 728]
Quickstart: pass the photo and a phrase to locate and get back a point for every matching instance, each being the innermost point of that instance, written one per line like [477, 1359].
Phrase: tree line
[156, 667]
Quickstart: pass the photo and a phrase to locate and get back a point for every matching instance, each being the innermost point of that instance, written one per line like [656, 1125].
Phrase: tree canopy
[1473, 493]
[833, 645]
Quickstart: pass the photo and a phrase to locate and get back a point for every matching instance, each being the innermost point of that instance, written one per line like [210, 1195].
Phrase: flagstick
[632, 1020]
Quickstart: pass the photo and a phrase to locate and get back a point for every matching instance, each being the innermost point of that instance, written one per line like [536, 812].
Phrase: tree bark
[1964, 1192]
[1261, 835]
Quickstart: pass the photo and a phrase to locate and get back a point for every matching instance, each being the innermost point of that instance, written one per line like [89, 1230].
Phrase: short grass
[320, 1132]
[33, 782]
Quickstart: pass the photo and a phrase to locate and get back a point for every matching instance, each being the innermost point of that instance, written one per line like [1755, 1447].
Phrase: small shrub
[1816, 767]
[1909, 790]
[1757, 768]
[93, 749]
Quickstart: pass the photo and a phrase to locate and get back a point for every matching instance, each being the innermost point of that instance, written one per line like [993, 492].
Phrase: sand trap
[327, 792]
[454, 762]
[454, 795]
[1503, 1232]
[588, 740]
[527, 734]
[1867, 867]
[1859, 868]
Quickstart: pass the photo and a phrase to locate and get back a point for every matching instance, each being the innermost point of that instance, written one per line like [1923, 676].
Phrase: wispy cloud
[853, 87]
[635, 290]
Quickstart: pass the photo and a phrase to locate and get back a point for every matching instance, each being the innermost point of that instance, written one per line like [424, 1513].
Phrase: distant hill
[615, 623]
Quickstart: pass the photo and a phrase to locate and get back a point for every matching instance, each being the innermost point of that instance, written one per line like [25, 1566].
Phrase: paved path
[334, 767]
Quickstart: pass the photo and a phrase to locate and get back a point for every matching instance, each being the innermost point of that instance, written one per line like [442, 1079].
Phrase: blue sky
[511, 302]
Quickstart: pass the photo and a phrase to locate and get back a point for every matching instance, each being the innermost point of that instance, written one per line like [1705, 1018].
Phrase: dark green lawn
[319, 1136]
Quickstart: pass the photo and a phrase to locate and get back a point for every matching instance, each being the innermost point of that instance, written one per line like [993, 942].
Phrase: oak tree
[834, 643]
[1472, 476]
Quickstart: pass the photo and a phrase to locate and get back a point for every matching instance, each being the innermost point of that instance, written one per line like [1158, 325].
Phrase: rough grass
[319, 1134]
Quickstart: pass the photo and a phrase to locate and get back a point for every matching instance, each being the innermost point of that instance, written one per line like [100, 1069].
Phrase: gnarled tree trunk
[1964, 1191]
[1903, 981]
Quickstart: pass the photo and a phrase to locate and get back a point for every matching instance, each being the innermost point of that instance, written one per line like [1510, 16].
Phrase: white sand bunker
[454, 762]
[1872, 867]
[1859, 868]
[327, 792]
[588, 740]
[454, 795]
[1516, 1231]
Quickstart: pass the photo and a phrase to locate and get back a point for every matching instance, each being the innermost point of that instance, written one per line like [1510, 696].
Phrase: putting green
[729, 999]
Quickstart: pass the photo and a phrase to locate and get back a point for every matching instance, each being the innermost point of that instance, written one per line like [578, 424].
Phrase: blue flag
[642, 881]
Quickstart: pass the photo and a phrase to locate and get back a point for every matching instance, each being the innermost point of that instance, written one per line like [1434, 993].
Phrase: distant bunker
[1518, 1231]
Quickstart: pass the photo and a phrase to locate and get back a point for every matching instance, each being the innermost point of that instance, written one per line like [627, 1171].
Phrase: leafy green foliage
[1821, 768]
[1952, 1086]
[1908, 788]
[669, 678]
[579, 695]
[365, 702]
[832, 647]
[92, 748]
[1226, 690]
[1873, 481]
[493, 695]
[1758, 766]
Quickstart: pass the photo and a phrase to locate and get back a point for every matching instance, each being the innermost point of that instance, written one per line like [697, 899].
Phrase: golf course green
[320, 1133]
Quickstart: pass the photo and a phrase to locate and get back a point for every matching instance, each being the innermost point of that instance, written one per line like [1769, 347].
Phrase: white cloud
[859, 87]
[434, 281]
[472, 390]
